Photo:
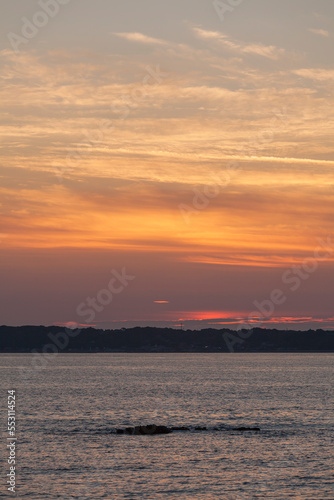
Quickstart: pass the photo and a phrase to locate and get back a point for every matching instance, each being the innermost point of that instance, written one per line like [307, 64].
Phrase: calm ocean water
[67, 410]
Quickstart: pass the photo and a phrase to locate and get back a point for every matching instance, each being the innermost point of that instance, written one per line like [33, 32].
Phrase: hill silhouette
[149, 339]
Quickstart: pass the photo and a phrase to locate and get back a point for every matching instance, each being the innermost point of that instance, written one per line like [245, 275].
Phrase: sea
[68, 407]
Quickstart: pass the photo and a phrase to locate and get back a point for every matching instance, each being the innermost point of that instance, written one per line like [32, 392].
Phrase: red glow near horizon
[204, 315]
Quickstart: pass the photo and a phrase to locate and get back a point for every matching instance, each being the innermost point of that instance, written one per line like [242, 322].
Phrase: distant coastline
[55, 339]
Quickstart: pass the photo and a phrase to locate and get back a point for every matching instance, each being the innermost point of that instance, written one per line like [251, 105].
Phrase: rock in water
[151, 429]
[141, 430]
[246, 429]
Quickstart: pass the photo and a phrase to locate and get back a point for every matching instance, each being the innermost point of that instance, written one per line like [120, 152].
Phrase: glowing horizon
[198, 156]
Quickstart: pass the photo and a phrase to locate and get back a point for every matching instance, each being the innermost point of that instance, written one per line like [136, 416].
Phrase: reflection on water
[67, 412]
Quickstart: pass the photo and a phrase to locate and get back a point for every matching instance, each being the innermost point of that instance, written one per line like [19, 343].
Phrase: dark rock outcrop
[180, 428]
[246, 429]
[151, 429]
[141, 430]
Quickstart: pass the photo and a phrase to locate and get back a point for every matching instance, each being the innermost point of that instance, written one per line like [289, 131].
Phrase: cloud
[191, 120]
[73, 324]
[318, 74]
[279, 320]
[268, 51]
[141, 38]
[319, 32]
[129, 182]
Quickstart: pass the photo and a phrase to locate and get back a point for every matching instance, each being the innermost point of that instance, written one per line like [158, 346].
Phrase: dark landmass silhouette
[55, 339]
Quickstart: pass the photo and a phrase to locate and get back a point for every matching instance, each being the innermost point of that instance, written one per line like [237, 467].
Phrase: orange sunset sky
[190, 147]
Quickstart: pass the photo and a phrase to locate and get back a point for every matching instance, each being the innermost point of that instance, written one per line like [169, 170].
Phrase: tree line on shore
[150, 339]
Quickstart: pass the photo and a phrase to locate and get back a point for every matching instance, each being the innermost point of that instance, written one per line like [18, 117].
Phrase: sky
[167, 163]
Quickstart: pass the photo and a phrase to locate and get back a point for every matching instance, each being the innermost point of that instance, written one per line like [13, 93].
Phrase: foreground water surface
[67, 410]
